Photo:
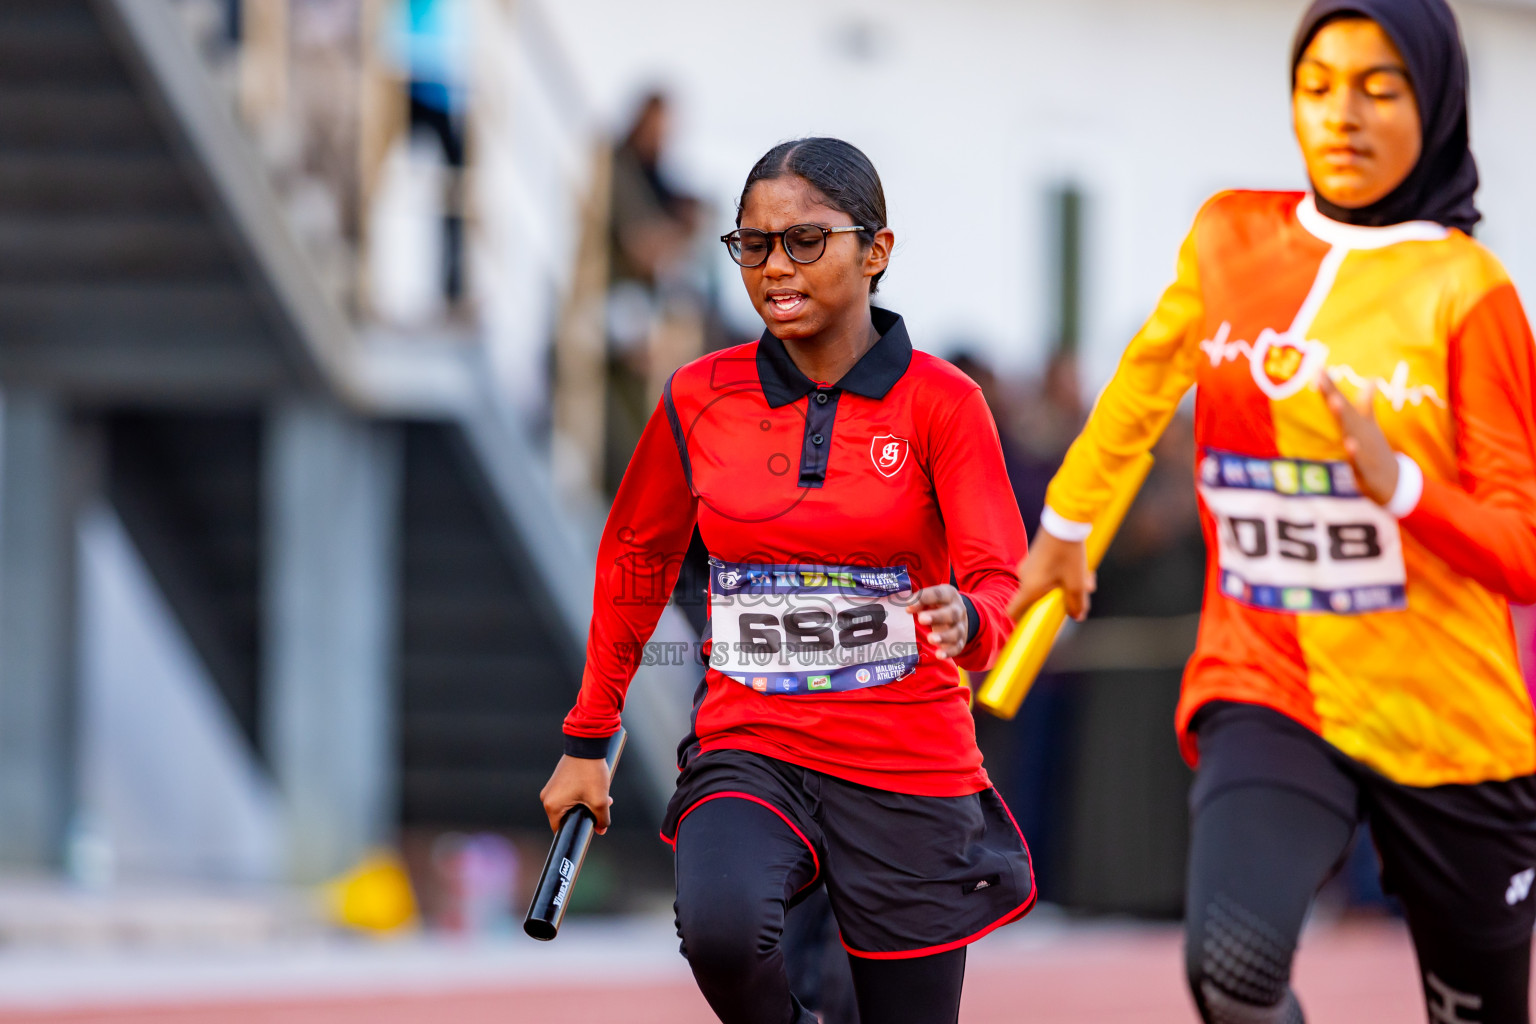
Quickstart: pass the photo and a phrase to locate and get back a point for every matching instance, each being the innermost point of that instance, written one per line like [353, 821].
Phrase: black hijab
[1442, 184]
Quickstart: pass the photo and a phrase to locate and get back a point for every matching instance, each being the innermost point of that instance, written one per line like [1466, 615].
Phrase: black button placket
[820, 414]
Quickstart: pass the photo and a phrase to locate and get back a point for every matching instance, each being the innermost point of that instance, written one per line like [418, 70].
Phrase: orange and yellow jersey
[1385, 629]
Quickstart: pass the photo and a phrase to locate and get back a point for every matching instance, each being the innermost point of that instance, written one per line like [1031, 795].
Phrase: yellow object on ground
[375, 896]
[1010, 679]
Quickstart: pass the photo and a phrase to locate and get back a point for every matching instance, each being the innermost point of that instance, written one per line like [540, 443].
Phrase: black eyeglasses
[803, 243]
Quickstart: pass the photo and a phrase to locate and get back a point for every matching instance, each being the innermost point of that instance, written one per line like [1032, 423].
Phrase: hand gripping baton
[1023, 656]
[566, 854]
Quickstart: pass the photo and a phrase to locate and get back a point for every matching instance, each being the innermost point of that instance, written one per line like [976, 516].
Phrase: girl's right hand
[578, 780]
[1052, 563]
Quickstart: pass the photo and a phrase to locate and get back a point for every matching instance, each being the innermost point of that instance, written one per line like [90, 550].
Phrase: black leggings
[739, 867]
[1260, 850]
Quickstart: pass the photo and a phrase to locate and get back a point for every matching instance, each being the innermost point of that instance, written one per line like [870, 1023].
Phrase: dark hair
[839, 171]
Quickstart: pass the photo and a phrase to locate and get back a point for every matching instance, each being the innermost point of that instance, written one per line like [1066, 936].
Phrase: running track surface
[1360, 971]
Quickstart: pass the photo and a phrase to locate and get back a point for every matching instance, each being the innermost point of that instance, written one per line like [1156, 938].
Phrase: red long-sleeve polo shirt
[895, 465]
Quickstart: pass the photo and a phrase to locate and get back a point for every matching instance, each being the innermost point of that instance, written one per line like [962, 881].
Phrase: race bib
[808, 629]
[1298, 536]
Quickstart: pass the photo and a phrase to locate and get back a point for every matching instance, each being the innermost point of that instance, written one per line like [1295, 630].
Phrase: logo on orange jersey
[889, 453]
[1281, 365]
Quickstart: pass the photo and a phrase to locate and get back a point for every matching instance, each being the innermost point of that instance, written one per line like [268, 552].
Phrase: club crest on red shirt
[889, 453]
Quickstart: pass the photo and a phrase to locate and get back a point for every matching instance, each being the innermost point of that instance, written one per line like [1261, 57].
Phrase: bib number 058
[1299, 542]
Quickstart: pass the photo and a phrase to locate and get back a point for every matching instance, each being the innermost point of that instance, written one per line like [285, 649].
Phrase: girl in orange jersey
[1367, 479]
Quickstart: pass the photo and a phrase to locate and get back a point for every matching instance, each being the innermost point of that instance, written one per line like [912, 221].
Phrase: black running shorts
[908, 876]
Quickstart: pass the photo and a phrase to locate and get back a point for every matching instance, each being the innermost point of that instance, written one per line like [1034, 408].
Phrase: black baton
[553, 893]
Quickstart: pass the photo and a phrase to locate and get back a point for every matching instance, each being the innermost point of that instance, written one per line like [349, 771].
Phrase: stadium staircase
[146, 275]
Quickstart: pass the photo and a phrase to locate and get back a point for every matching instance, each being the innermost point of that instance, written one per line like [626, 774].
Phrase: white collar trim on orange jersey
[1352, 236]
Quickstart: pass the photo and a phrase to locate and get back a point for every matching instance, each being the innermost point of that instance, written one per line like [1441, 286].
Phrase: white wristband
[1062, 528]
[1410, 487]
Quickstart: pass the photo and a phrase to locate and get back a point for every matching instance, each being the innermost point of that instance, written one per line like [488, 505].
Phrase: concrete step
[58, 52]
[480, 742]
[450, 560]
[74, 15]
[463, 680]
[463, 612]
[142, 362]
[57, 119]
[84, 183]
[91, 250]
[536, 691]
[429, 731]
[55, 914]
[212, 315]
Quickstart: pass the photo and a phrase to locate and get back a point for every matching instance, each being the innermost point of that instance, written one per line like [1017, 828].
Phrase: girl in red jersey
[841, 480]
[1366, 419]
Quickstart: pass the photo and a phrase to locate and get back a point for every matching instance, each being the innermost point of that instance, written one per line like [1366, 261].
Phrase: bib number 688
[813, 629]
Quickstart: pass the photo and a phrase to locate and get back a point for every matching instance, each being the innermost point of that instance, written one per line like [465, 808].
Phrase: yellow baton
[1008, 683]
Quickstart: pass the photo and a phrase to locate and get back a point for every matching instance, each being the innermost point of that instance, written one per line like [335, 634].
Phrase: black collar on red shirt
[876, 372]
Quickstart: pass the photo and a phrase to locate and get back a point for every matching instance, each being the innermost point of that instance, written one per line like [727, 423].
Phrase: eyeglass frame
[771, 235]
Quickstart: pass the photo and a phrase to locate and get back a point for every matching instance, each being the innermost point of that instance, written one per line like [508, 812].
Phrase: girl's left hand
[942, 612]
[1369, 451]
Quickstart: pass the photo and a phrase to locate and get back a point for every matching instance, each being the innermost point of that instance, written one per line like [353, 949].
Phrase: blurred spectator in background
[1044, 426]
[654, 314]
[320, 177]
[653, 223]
[1005, 410]
[1156, 566]
[656, 317]
[476, 876]
[431, 46]
[1037, 419]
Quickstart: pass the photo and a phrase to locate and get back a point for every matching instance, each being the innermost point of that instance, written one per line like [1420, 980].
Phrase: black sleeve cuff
[591, 748]
[972, 621]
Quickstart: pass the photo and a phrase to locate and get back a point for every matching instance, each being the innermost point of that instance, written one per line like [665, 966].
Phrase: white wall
[973, 109]
[1501, 43]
